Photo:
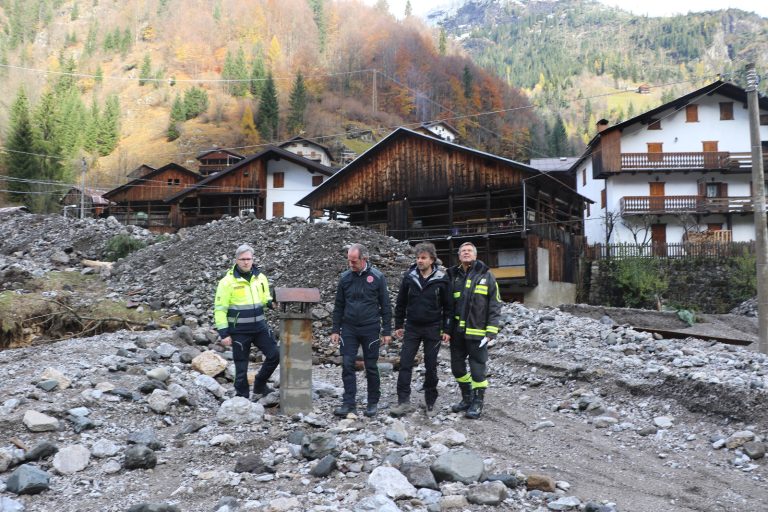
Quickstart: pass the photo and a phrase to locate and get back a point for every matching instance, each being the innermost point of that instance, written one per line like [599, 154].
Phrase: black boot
[466, 390]
[372, 409]
[476, 408]
[344, 410]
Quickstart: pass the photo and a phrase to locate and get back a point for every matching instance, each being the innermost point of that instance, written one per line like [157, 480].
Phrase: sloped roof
[299, 138]
[96, 195]
[149, 177]
[399, 132]
[218, 150]
[268, 151]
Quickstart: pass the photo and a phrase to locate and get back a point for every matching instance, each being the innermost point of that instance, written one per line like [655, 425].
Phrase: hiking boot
[466, 397]
[344, 410]
[262, 390]
[371, 410]
[476, 408]
[401, 409]
[430, 410]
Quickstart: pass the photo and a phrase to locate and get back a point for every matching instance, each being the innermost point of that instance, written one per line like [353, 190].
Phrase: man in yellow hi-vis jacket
[241, 297]
[477, 308]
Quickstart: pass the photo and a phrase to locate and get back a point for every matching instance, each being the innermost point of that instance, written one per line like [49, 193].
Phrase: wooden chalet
[94, 202]
[240, 188]
[141, 201]
[216, 160]
[527, 225]
[309, 149]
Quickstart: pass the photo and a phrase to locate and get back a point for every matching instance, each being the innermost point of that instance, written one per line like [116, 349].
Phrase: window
[589, 210]
[655, 150]
[278, 180]
[726, 111]
[170, 182]
[691, 113]
[278, 209]
[712, 189]
[177, 181]
[316, 180]
[655, 124]
[602, 199]
[583, 177]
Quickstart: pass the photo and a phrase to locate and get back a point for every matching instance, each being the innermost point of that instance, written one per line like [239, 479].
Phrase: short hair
[243, 249]
[362, 251]
[474, 249]
[428, 248]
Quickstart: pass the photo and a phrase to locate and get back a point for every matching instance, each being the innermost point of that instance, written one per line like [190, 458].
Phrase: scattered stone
[55, 375]
[283, 505]
[9, 505]
[453, 501]
[160, 401]
[647, 431]
[209, 363]
[104, 448]
[139, 457]
[391, 482]
[754, 450]
[223, 440]
[511, 481]
[376, 503]
[458, 466]
[210, 384]
[240, 410]
[419, 476]
[663, 421]
[48, 385]
[42, 450]
[487, 493]
[541, 482]
[166, 350]
[154, 507]
[39, 422]
[251, 464]
[318, 445]
[565, 503]
[27, 479]
[161, 373]
[71, 459]
[324, 467]
[448, 437]
[147, 437]
[543, 424]
[739, 438]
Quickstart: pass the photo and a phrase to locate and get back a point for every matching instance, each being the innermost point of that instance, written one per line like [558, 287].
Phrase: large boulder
[458, 466]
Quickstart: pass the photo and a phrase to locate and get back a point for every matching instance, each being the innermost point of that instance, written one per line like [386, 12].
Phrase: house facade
[525, 224]
[309, 149]
[680, 172]
[266, 185]
[441, 130]
[92, 202]
[216, 160]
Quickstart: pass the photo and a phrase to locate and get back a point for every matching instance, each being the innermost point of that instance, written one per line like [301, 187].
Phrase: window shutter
[691, 113]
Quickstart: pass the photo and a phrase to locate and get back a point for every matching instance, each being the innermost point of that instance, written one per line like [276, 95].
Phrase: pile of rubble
[746, 308]
[32, 245]
[180, 275]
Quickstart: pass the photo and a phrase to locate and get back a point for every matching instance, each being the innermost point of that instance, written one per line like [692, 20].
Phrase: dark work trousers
[353, 337]
[461, 349]
[241, 350]
[414, 336]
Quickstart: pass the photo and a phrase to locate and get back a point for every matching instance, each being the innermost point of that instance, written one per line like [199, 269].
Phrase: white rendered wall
[306, 150]
[298, 183]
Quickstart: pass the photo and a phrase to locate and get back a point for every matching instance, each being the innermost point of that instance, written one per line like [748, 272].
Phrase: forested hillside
[574, 56]
[117, 84]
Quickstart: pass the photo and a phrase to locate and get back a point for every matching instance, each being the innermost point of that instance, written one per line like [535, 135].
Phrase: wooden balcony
[660, 205]
[689, 160]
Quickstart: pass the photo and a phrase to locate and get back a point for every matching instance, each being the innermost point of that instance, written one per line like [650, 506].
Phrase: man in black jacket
[423, 307]
[361, 314]
[476, 319]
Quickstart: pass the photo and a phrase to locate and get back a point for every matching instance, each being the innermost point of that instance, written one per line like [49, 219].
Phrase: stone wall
[704, 285]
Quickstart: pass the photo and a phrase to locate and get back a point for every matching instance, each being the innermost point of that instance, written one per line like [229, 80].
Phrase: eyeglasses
[244, 259]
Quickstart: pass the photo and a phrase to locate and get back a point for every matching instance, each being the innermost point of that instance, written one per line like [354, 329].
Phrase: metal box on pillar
[296, 348]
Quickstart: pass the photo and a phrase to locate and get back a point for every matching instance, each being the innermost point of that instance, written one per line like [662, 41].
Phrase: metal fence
[710, 250]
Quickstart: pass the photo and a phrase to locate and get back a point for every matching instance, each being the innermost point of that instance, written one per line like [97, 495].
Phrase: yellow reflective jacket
[239, 304]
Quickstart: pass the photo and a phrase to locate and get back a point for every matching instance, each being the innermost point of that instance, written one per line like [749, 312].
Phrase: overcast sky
[641, 7]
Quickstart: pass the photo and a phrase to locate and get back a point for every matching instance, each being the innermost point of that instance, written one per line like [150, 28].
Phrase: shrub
[641, 281]
[744, 276]
[120, 246]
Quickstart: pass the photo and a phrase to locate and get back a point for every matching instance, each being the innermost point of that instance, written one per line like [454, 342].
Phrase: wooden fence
[711, 250]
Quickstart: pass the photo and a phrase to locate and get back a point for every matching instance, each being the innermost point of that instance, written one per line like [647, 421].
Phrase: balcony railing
[689, 160]
[658, 205]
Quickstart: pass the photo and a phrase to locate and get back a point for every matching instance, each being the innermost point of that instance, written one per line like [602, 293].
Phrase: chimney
[602, 125]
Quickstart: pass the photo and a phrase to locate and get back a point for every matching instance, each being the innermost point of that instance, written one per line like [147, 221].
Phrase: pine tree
[267, 118]
[298, 105]
[98, 76]
[178, 112]
[408, 8]
[236, 69]
[559, 139]
[466, 80]
[126, 41]
[90, 40]
[19, 160]
[90, 143]
[75, 12]
[195, 102]
[319, 16]
[258, 74]
[442, 42]
[109, 126]
[146, 70]
[247, 125]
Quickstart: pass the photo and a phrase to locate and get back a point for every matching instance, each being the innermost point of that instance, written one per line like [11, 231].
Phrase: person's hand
[484, 341]
[335, 338]
[227, 341]
[399, 333]
[386, 339]
[446, 338]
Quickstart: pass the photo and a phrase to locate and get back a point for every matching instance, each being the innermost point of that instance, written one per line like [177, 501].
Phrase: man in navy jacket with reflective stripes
[361, 315]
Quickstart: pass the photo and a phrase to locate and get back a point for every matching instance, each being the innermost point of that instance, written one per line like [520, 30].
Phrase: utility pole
[82, 189]
[758, 205]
